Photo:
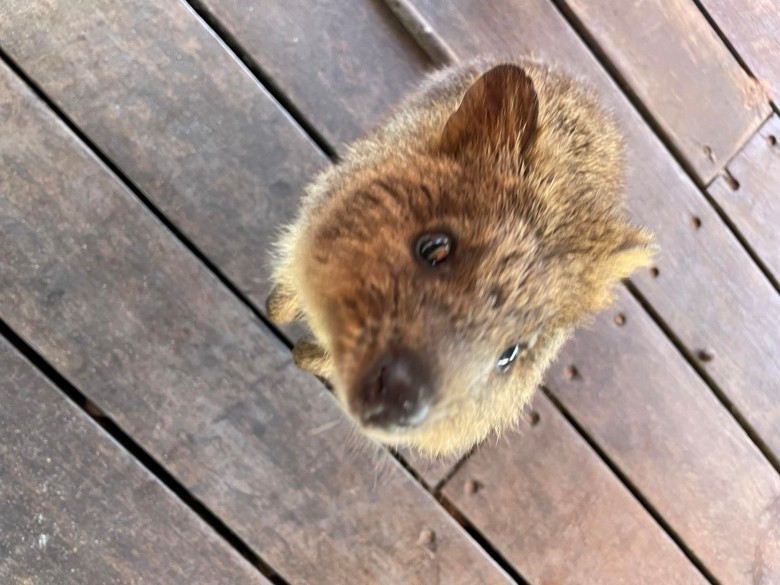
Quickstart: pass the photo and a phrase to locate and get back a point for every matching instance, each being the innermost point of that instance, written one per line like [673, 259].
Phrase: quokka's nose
[396, 391]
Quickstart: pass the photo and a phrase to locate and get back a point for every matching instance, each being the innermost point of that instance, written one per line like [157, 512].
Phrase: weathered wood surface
[128, 315]
[557, 513]
[189, 125]
[686, 78]
[160, 96]
[671, 437]
[75, 508]
[707, 289]
[432, 470]
[343, 63]
[753, 29]
[753, 202]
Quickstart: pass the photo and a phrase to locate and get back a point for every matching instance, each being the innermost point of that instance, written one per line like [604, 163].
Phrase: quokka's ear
[635, 250]
[498, 112]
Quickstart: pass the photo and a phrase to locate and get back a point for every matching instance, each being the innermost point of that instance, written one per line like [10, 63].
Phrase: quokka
[442, 263]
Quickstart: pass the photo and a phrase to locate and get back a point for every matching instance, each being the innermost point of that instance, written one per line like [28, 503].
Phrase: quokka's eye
[508, 357]
[434, 248]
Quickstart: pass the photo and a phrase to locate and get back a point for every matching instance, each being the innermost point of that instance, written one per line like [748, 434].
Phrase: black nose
[396, 391]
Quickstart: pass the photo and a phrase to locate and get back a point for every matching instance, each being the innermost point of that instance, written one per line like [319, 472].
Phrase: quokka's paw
[282, 305]
[311, 357]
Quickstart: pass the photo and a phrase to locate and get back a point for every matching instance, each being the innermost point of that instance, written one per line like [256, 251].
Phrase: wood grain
[131, 318]
[343, 63]
[557, 513]
[752, 203]
[707, 289]
[668, 55]
[673, 440]
[159, 95]
[75, 508]
[753, 29]
[432, 470]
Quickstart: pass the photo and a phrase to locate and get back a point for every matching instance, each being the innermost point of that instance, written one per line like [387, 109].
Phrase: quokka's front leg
[282, 305]
[311, 357]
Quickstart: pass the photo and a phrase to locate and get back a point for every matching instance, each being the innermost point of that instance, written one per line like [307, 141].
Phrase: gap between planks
[138, 193]
[116, 432]
[231, 44]
[86, 406]
[592, 44]
[141, 456]
[731, 48]
[284, 102]
[635, 492]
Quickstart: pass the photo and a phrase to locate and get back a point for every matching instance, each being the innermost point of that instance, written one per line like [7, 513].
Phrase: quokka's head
[442, 279]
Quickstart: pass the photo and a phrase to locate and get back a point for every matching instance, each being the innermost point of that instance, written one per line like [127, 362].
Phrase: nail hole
[532, 417]
[771, 140]
[427, 538]
[471, 487]
[570, 372]
[654, 272]
[695, 222]
[730, 181]
[620, 319]
[93, 409]
[708, 153]
[705, 355]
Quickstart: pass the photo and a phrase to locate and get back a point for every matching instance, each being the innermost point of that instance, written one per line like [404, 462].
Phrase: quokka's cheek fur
[499, 145]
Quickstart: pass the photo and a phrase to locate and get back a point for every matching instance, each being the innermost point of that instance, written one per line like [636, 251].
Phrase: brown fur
[526, 172]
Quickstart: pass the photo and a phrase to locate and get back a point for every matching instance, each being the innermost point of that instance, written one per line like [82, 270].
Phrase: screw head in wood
[705, 355]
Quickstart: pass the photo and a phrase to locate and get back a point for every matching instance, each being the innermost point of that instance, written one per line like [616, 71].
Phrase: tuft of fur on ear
[498, 113]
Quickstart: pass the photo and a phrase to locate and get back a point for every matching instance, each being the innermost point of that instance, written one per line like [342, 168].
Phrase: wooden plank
[753, 29]
[752, 203]
[674, 62]
[233, 162]
[192, 129]
[122, 310]
[343, 63]
[705, 286]
[76, 508]
[159, 95]
[557, 513]
[432, 470]
[671, 437]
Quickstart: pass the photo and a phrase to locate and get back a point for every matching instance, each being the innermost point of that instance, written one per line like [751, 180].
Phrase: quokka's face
[436, 301]
[439, 284]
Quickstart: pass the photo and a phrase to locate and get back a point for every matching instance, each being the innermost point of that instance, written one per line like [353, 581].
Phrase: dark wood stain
[343, 64]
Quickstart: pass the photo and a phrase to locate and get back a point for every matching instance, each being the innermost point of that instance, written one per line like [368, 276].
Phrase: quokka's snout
[443, 262]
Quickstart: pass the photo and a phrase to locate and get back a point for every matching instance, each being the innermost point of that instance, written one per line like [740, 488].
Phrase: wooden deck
[152, 426]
